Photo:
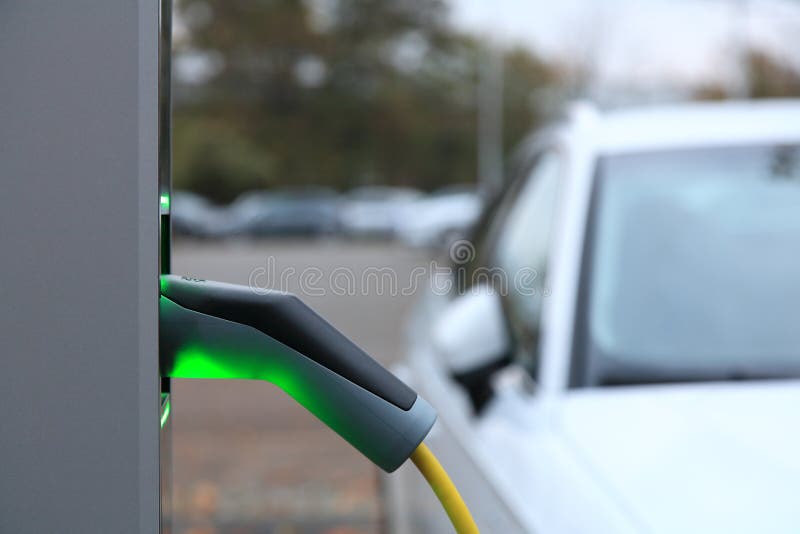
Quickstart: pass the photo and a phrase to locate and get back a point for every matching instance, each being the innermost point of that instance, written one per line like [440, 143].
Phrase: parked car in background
[640, 370]
[376, 211]
[193, 215]
[290, 212]
[441, 218]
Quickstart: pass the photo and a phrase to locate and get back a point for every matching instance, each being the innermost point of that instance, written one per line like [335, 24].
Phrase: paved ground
[247, 459]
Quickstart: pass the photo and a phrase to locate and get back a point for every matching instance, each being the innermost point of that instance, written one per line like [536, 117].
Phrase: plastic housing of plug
[210, 330]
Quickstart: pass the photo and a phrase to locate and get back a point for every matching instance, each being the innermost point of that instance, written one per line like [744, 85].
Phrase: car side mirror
[472, 338]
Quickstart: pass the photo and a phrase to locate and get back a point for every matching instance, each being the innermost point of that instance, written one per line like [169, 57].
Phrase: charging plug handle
[223, 331]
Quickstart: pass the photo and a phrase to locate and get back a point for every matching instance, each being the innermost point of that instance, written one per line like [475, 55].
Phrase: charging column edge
[79, 383]
[165, 243]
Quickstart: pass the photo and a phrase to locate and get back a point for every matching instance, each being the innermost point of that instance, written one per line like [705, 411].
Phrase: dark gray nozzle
[214, 330]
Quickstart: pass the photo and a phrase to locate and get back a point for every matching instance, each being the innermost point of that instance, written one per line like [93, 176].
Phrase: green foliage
[212, 158]
[337, 93]
[525, 75]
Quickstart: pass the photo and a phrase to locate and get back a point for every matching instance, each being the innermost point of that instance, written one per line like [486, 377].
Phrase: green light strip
[164, 202]
[195, 361]
[165, 413]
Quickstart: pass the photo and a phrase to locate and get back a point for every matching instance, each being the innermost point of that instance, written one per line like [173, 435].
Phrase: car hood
[693, 458]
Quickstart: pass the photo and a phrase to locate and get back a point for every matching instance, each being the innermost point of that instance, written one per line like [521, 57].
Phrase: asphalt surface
[246, 458]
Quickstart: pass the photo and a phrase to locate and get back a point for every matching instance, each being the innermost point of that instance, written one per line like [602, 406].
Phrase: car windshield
[692, 267]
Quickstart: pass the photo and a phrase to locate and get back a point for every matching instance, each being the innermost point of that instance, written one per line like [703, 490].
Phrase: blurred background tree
[343, 93]
[337, 93]
[767, 77]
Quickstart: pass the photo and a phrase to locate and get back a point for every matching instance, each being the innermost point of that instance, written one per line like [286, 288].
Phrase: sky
[642, 41]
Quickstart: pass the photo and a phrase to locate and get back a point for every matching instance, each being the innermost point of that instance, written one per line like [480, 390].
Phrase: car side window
[521, 252]
[483, 237]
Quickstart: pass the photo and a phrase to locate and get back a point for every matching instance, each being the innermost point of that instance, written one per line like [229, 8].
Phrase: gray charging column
[79, 420]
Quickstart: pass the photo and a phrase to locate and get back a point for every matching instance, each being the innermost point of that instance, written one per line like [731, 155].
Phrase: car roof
[688, 125]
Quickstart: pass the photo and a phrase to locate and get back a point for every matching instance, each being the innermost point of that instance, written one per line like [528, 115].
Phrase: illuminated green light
[165, 413]
[200, 362]
[164, 202]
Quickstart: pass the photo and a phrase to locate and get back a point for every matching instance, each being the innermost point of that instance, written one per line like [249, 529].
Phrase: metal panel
[79, 385]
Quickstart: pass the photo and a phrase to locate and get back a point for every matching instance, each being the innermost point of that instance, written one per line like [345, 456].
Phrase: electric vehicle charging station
[93, 327]
[80, 152]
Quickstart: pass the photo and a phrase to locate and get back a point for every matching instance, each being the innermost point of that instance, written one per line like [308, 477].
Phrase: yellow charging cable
[444, 489]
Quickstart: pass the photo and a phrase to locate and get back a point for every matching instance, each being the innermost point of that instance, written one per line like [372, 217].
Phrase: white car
[376, 211]
[440, 218]
[639, 371]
